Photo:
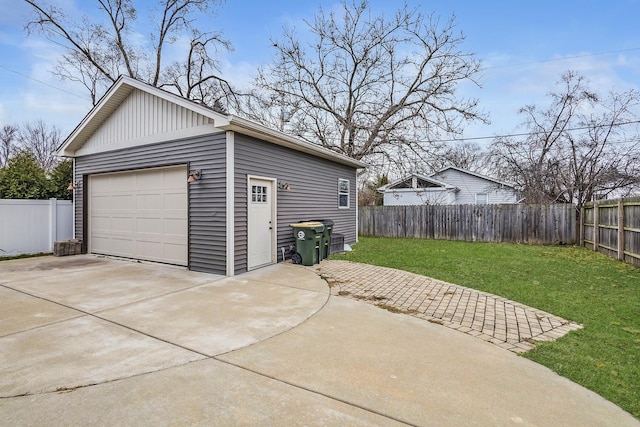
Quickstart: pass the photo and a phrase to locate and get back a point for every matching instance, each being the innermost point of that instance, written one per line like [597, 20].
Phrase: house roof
[506, 184]
[434, 181]
[124, 86]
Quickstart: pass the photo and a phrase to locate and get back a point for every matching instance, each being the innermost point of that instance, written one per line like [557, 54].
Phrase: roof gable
[416, 182]
[145, 114]
[143, 117]
[132, 109]
[441, 175]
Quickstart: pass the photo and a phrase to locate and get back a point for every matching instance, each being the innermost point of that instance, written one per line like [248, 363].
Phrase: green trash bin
[308, 242]
[325, 244]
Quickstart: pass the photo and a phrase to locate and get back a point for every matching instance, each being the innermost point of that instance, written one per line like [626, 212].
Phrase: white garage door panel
[140, 214]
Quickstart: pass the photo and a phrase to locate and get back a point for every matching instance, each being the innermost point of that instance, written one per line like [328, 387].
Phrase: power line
[565, 58]
[44, 83]
[535, 133]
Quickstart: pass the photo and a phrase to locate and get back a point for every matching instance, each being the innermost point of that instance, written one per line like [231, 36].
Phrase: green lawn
[7, 258]
[580, 285]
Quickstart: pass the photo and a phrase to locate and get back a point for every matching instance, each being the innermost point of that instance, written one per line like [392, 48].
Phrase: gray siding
[313, 194]
[207, 216]
[470, 185]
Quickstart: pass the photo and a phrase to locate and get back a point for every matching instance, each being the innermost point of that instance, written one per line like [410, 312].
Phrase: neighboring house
[137, 148]
[449, 186]
[417, 189]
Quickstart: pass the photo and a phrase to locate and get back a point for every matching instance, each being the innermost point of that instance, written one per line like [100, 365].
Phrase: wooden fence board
[612, 227]
[531, 224]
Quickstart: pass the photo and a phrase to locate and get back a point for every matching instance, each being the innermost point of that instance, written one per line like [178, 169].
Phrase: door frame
[274, 217]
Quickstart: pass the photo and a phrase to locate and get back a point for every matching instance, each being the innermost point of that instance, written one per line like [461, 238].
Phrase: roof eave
[247, 127]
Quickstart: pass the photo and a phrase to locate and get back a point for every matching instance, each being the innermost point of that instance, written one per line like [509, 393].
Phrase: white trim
[414, 177]
[357, 210]
[230, 202]
[73, 199]
[348, 193]
[274, 217]
[86, 214]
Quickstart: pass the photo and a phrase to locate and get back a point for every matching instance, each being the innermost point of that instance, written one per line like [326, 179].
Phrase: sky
[524, 46]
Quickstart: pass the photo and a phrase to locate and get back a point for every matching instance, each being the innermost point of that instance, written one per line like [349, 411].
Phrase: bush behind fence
[531, 224]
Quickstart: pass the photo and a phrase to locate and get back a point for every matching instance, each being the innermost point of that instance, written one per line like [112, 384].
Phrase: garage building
[160, 178]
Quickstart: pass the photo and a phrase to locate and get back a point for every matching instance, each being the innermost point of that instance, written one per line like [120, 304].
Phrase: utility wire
[534, 132]
[44, 83]
[586, 55]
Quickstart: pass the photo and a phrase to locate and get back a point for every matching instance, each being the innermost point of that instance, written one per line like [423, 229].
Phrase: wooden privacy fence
[612, 227]
[532, 224]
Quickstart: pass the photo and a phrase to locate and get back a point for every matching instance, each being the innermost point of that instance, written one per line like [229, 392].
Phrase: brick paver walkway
[506, 323]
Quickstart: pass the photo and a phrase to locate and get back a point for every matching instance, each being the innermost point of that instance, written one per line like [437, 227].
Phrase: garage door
[140, 214]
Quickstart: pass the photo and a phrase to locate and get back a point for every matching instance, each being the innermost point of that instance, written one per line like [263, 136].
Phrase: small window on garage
[343, 193]
[481, 199]
[258, 194]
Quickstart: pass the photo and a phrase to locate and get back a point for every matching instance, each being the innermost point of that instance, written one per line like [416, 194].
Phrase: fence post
[596, 222]
[621, 229]
[53, 222]
[581, 227]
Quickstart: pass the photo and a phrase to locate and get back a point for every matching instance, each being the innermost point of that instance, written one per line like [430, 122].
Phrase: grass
[7, 258]
[580, 285]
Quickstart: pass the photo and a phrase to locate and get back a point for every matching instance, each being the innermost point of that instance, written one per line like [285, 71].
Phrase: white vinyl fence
[31, 226]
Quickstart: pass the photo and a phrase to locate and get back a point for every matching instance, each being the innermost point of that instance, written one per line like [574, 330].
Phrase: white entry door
[261, 222]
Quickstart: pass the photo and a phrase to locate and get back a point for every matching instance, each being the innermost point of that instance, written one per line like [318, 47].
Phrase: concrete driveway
[91, 340]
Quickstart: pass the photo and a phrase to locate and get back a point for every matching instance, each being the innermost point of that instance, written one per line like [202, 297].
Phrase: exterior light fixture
[194, 175]
[72, 186]
[284, 186]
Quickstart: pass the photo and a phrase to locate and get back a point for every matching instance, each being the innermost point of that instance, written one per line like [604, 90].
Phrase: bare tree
[462, 154]
[41, 141]
[371, 87]
[192, 78]
[97, 52]
[8, 135]
[575, 148]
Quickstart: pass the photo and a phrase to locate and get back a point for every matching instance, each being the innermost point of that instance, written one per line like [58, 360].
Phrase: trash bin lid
[308, 224]
[324, 221]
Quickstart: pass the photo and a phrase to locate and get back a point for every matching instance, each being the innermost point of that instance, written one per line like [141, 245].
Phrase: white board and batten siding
[471, 185]
[143, 118]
